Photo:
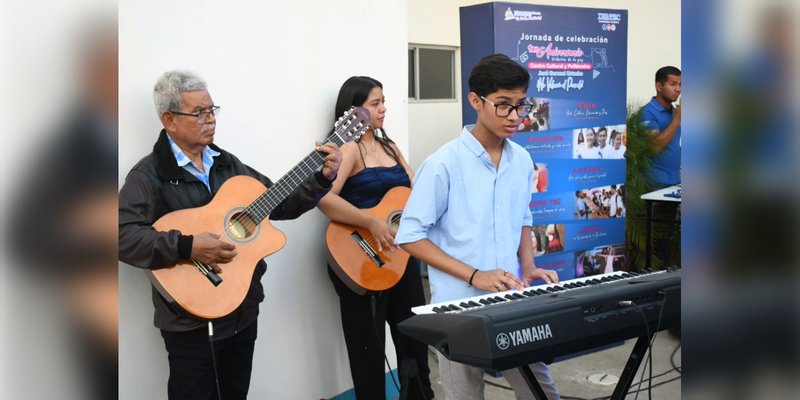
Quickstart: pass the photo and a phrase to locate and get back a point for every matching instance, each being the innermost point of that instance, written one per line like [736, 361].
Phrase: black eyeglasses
[202, 116]
[504, 110]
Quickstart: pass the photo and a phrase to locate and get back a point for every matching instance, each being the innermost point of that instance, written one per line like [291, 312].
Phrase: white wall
[653, 41]
[275, 68]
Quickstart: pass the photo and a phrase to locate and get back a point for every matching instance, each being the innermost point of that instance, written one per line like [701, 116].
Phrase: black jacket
[156, 186]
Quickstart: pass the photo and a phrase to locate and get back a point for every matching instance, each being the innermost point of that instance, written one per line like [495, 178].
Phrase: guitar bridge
[367, 248]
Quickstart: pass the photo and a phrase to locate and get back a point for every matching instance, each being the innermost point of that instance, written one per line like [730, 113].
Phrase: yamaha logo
[523, 336]
[503, 341]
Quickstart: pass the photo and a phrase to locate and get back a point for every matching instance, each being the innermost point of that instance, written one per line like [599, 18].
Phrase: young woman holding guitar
[371, 167]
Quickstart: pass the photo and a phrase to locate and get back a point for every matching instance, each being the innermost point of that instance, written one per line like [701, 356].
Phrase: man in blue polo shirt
[662, 119]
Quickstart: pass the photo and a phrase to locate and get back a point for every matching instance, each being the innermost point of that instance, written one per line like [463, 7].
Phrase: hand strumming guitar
[208, 249]
[382, 233]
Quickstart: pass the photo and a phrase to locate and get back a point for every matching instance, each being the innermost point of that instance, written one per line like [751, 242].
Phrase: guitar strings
[248, 220]
[395, 219]
[258, 206]
[264, 203]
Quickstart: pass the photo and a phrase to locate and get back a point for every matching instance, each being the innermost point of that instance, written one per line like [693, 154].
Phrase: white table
[658, 196]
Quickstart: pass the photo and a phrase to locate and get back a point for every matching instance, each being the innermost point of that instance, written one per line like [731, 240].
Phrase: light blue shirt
[184, 162]
[471, 210]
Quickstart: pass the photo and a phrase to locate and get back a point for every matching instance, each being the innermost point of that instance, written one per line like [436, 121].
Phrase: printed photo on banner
[600, 202]
[540, 177]
[547, 239]
[539, 118]
[600, 260]
[602, 142]
[539, 241]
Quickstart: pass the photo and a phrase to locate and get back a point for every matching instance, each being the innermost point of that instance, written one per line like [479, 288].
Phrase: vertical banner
[577, 59]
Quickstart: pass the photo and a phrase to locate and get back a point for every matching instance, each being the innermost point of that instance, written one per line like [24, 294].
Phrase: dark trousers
[365, 337]
[191, 371]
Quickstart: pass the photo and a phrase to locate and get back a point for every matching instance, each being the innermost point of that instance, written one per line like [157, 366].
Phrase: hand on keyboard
[548, 276]
[496, 280]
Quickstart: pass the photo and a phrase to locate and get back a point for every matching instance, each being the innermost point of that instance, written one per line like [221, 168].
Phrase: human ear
[168, 120]
[474, 100]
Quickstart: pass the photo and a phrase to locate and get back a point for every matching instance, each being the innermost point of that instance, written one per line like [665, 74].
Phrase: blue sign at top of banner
[576, 54]
[571, 53]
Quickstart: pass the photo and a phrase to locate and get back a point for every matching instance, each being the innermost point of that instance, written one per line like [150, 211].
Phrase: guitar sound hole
[241, 226]
[394, 219]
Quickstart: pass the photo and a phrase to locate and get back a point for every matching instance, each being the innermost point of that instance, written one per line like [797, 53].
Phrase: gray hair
[168, 89]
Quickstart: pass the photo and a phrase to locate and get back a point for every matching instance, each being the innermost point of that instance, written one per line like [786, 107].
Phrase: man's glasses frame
[201, 115]
[522, 109]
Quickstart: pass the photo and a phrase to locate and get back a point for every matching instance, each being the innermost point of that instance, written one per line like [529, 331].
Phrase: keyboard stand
[625, 381]
[533, 384]
[634, 361]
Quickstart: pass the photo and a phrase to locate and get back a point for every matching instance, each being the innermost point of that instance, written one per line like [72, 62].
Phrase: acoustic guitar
[238, 213]
[352, 251]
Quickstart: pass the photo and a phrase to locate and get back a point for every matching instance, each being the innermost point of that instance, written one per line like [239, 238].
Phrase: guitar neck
[266, 203]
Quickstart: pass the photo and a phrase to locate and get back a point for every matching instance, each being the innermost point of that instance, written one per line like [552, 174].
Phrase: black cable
[659, 375]
[672, 360]
[608, 397]
[649, 347]
[213, 357]
[653, 341]
[667, 381]
[378, 337]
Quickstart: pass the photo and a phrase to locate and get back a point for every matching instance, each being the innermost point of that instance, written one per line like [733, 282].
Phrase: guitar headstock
[351, 125]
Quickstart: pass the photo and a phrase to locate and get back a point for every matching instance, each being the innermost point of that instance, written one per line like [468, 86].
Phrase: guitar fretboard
[266, 203]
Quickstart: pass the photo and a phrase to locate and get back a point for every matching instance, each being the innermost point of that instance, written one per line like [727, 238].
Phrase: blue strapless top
[366, 188]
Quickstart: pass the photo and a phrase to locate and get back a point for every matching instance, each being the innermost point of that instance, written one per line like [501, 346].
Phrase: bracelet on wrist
[471, 277]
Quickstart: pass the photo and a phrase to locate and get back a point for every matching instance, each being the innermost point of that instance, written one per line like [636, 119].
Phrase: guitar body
[239, 214]
[184, 284]
[364, 269]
